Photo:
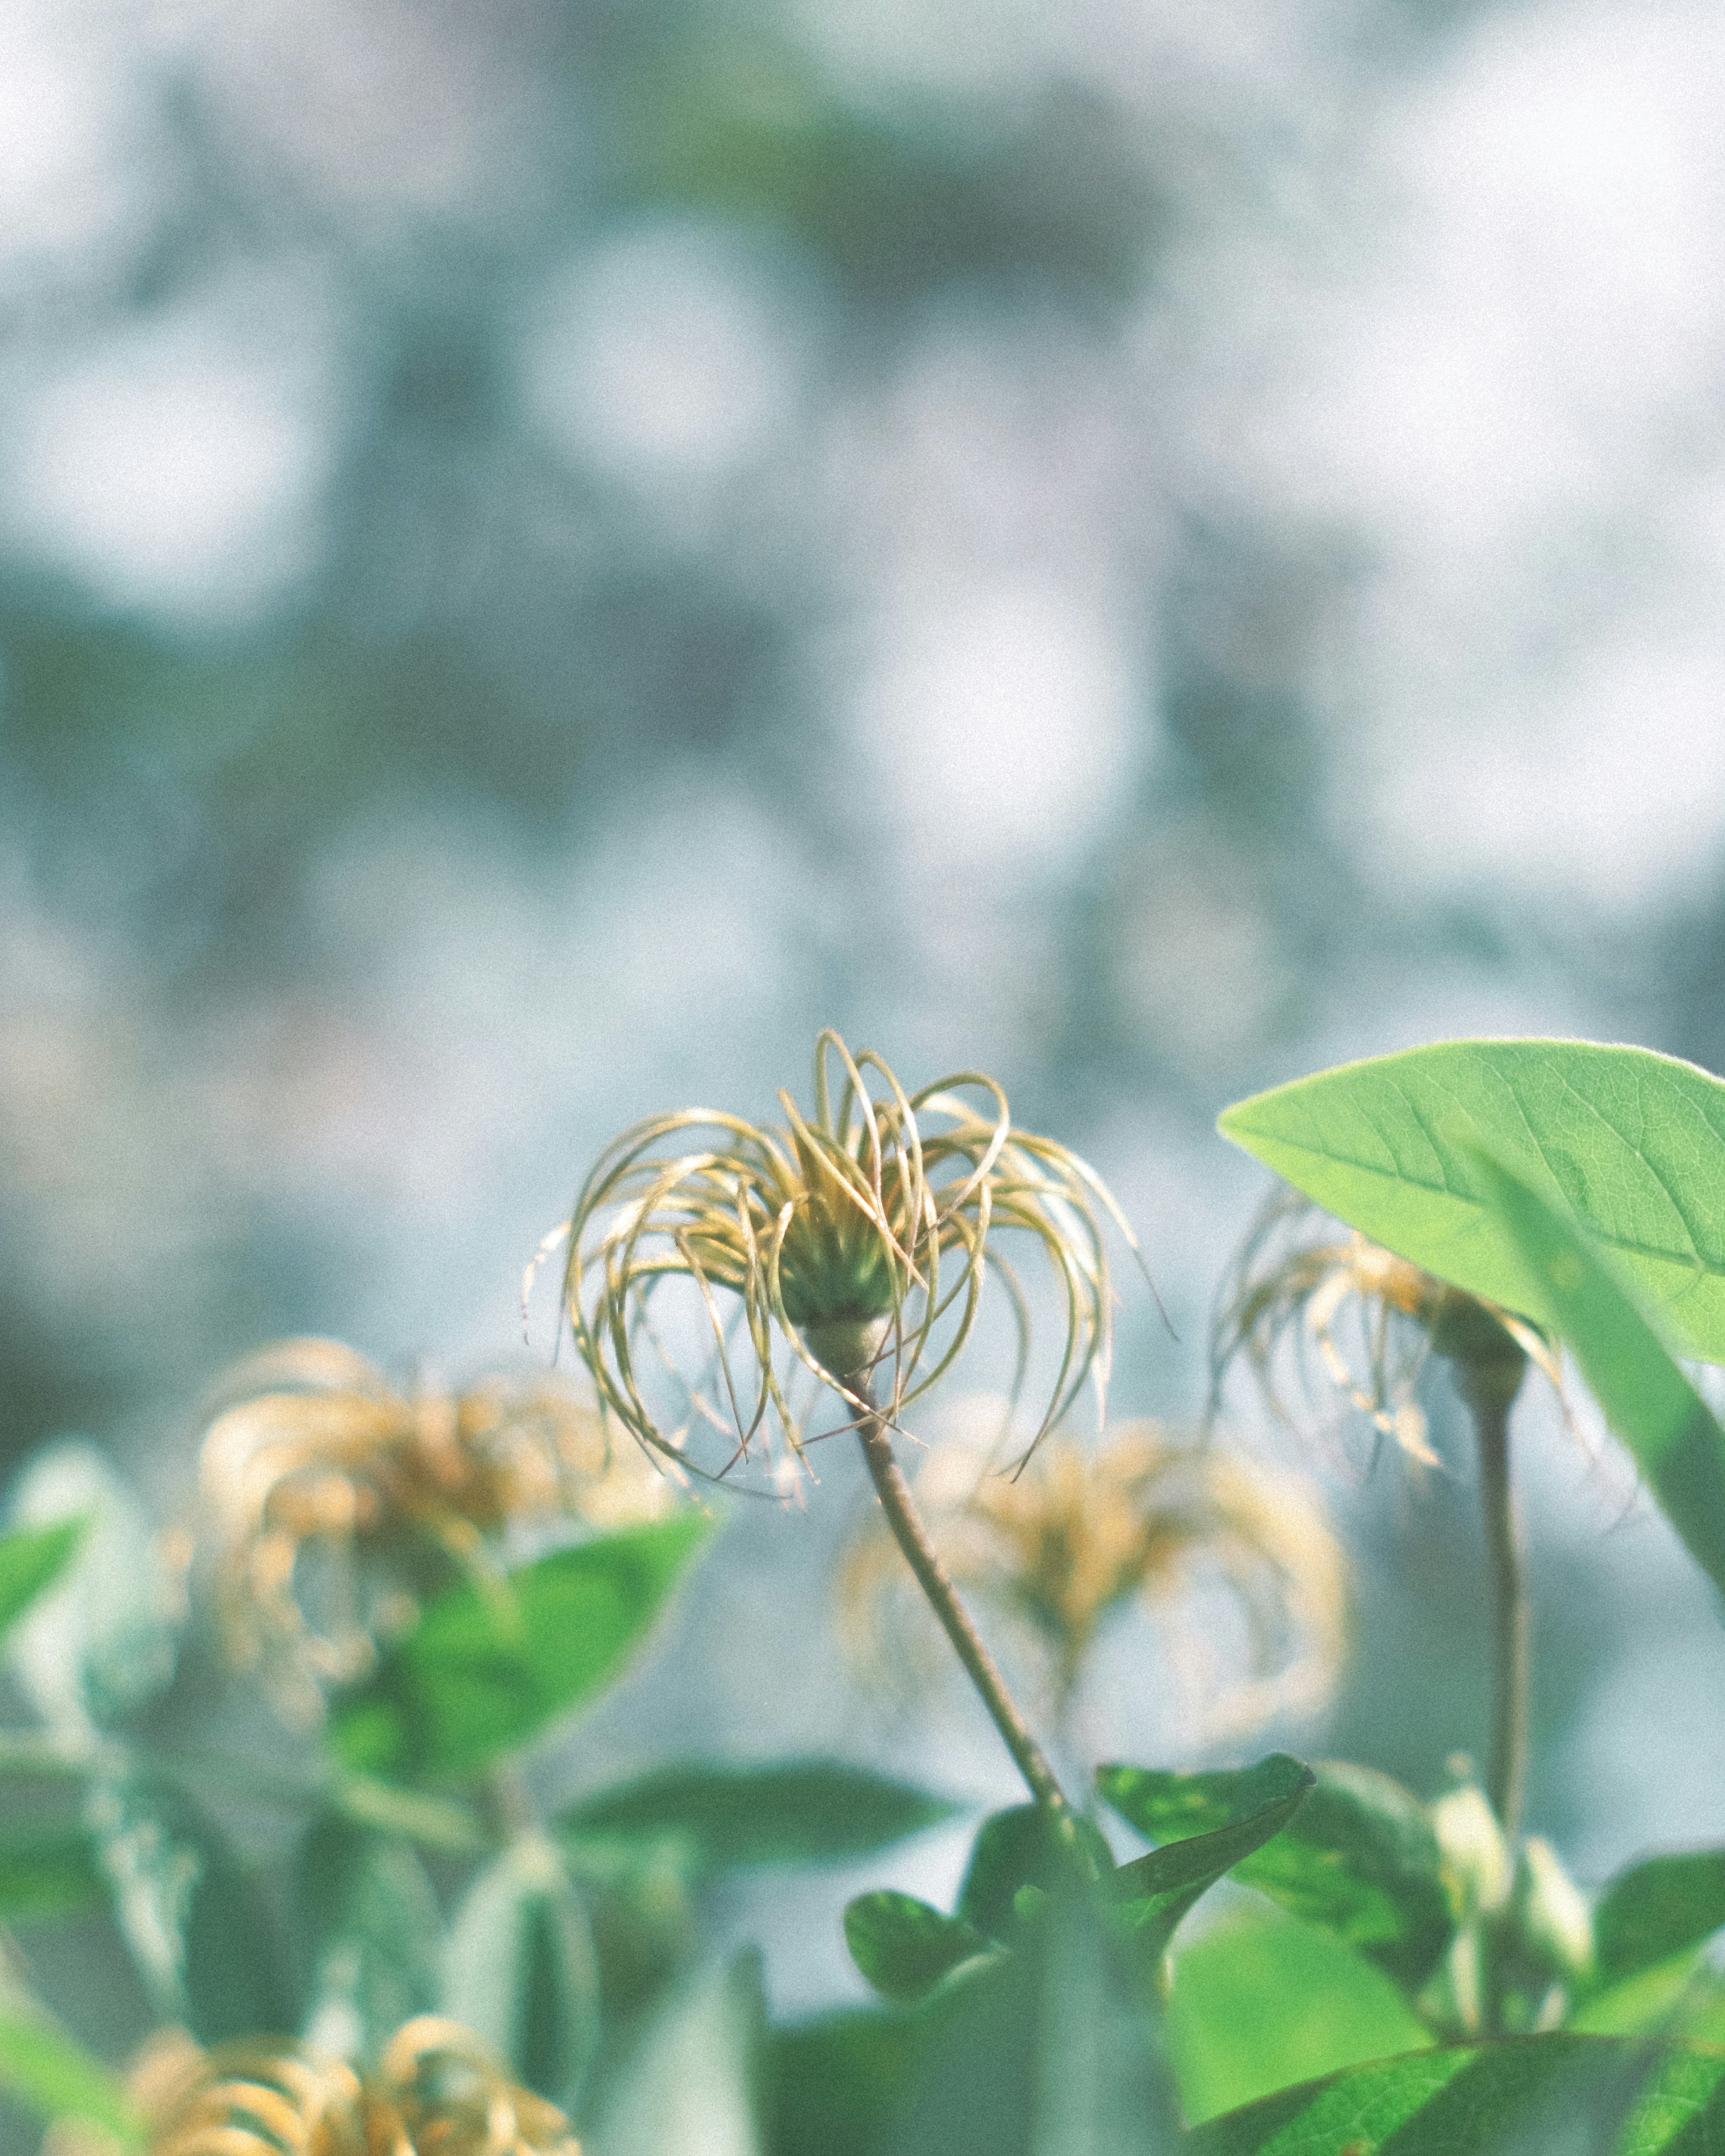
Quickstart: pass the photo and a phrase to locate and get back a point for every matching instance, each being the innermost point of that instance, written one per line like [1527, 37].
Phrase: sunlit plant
[854, 1245]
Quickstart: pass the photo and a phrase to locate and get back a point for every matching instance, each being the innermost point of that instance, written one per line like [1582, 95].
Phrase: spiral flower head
[330, 1493]
[438, 2091]
[852, 1245]
[1294, 1281]
[1059, 1552]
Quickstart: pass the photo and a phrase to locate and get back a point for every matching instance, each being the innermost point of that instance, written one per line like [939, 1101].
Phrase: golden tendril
[317, 1462]
[1059, 1550]
[437, 2091]
[850, 1245]
[1293, 1281]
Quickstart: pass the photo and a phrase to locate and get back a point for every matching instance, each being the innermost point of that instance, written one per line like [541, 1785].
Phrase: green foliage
[199, 1929]
[519, 1968]
[1673, 1433]
[1657, 1908]
[1533, 2093]
[1013, 1850]
[487, 1668]
[50, 1873]
[31, 1560]
[375, 1937]
[42, 2066]
[1261, 2001]
[835, 2085]
[1042, 2051]
[1630, 1143]
[1225, 1816]
[905, 1947]
[100, 1642]
[1359, 1856]
[722, 1818]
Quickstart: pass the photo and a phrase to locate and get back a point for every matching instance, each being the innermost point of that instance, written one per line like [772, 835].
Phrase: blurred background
[551, 548]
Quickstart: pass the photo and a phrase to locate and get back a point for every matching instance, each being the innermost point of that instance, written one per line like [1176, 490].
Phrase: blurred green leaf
[1359, 1856]
[1227, 1816]
[1524, 2096]
[1044, 2051]
[1013, 1849]
[31, 1560]
[837, 2086]
[1630, 1143]
[54, 1872]
[802, 1811]
[904, 1946]
[1260, 2002]
[518, 1967]
[690, 2090]
[376, 1937]
[200, 1931]
[484, 1671]
[42, 2066]
[101, 1641]
[1677, 1443]
[1656, 1908]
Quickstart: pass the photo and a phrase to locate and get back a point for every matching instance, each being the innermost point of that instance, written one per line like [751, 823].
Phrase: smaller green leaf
[518, 1969]
[42, 2067]
[801, 1811]
[1225, 1817]
[200, 1932]
[101, 1641]
[484, 1670]
[54, 1872]
[1045, 2051]
[1677, 1444]
[1656, 1908]
[376, 1937]
[1358, 1857]
[904, 1946]
[31, 1560]
[1016, 1849]
[836, 2086]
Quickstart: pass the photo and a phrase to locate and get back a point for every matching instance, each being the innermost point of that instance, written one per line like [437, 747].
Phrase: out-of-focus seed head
[332, 1498]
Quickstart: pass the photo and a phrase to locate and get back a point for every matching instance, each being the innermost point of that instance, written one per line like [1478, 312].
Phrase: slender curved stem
[1508, 1779]
[933, 1577]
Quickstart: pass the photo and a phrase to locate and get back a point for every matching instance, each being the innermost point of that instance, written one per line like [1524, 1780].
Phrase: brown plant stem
[1507, 1775]
[919, 1553]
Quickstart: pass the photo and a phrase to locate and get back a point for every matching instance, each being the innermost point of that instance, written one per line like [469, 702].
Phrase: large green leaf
[1631, 1143]
[42, 2067]
[484, 1671]
[1677, 1443]
[1263, 2001]
[31, 1560]
[800, 1811]
[375, 1938]
[1226, 1816]
[519, 1968]
[1359, 1856]
[904, 1946]
[200, 1932]
[1528, 2096]
[1657, 1908]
